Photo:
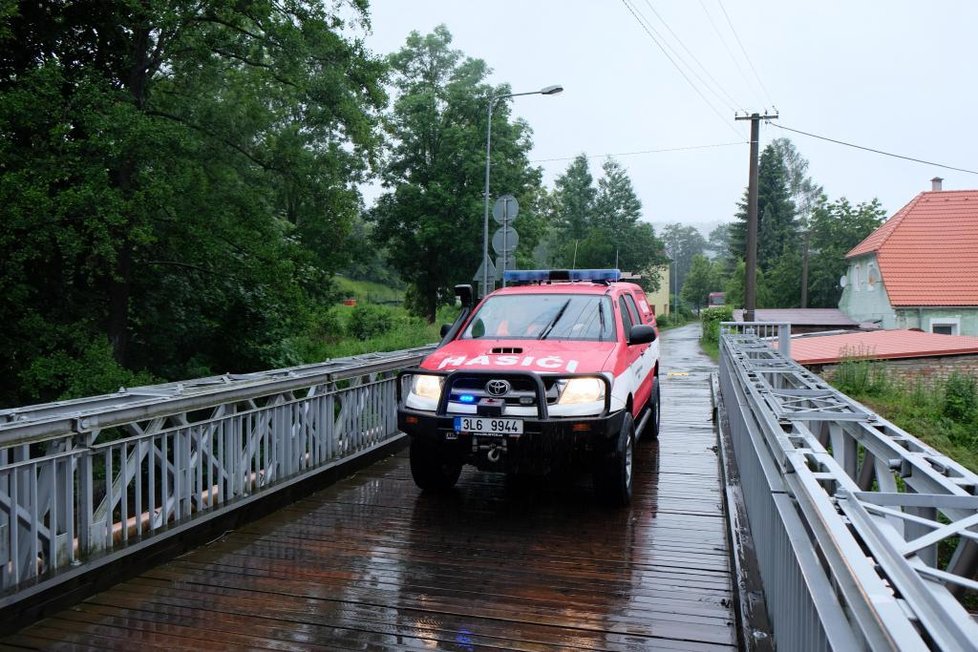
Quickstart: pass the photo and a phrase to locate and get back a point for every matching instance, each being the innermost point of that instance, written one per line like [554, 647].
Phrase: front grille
[522, 392]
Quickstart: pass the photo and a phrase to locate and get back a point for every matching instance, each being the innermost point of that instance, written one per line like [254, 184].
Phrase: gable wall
[865, 302]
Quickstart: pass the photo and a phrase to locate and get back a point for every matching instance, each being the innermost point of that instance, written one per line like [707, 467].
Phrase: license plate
[489, 426]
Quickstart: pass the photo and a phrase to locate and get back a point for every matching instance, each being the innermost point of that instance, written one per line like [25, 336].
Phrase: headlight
[582, 390]
[428, 387]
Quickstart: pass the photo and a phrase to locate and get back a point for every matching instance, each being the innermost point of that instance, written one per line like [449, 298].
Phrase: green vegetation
[369, 291]
[710, 337]
[352, 330]
[943, 413]
[179, 189]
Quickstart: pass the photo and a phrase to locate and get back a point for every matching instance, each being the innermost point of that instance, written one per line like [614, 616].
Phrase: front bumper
[547, 442]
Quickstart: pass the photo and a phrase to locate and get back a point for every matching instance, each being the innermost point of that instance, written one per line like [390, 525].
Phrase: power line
[638, 153]
[732, 102]
[742, 49]
[673, 62]
[723, 42]
[875, 151]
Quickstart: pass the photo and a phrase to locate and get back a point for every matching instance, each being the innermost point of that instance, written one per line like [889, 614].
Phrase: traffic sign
[509, 263]
[506, 238]
[505, 209]
[492, 272]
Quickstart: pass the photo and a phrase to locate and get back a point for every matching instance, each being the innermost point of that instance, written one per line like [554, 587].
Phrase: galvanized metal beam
[874, 501]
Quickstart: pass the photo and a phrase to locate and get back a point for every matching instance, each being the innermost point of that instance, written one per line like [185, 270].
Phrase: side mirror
[641, 334]
[464, 294]
[445, 328]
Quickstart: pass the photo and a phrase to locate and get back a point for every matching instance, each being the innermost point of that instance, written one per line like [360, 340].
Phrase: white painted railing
[83, 478]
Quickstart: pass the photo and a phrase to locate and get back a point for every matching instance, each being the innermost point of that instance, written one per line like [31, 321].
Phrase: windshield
[544, 316]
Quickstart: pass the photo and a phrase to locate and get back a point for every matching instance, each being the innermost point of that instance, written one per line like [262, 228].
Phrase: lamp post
[548, 90]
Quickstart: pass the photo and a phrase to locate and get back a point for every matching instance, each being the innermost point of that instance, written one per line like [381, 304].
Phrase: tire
[651, 430]
[432, 468]
[613, 476]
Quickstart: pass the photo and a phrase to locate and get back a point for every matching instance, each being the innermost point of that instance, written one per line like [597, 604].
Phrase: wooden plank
[371, 563]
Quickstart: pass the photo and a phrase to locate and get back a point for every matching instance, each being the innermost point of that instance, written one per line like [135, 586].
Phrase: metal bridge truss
[866, 537]
[82, 478]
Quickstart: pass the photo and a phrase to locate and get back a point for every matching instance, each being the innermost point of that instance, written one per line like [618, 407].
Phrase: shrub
[367, 320]
[959, 397]
[328, 325]
[861, 377]
[711, 318]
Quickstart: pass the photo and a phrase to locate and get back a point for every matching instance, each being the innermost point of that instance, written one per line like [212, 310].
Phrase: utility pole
[750, 282]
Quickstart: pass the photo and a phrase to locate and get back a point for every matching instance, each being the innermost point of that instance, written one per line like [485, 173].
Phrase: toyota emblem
[498, 387]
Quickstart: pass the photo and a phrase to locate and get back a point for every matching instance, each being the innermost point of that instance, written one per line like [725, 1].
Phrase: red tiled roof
[928, 251]
[881, 345]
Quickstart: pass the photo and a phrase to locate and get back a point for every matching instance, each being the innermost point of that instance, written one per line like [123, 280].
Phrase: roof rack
[525, 276]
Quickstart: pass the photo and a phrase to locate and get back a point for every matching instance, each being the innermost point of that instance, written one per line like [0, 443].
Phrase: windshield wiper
[553, 322]
[600, 319]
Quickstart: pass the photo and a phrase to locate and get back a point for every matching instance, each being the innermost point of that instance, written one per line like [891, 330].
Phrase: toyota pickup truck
[560, 369]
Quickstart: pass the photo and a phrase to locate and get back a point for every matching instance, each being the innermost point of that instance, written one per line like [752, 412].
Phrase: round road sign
[505, 209]
[505, 238]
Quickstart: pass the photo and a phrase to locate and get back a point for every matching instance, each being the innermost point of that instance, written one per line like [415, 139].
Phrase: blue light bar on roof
[545, 275]
[595, 274]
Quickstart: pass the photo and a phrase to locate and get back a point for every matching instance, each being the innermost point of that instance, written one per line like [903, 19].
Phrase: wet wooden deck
[370, 563]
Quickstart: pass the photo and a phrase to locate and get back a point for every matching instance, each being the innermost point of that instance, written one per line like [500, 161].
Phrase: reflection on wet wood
[371, 563]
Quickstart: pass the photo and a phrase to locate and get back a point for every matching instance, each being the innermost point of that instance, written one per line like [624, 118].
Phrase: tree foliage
[776, 226]
[683, 243]
[804, 192]
[836, 227]
[601, 226]
[704, 277]
[718, 244]
[175, 180]
[430, 217]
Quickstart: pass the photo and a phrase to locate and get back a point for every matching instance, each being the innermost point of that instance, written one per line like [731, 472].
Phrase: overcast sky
[894, 75]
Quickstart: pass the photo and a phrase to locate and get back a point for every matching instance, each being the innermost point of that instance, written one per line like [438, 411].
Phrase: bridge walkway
[370, 563]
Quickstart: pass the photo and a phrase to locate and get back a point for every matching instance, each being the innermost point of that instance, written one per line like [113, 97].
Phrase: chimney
[935, 184]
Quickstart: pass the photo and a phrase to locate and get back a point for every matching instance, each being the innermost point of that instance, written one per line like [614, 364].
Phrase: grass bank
[942, 412]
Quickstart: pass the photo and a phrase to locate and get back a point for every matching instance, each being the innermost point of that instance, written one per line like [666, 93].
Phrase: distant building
[658, 300]
[804, 320]
[918, 270]
[716, 299]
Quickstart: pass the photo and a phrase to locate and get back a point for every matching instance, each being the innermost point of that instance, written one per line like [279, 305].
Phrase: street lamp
[548, 90]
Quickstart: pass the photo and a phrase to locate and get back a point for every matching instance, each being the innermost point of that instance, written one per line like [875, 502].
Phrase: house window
[872, 276]
[947, 326]
[857, 277]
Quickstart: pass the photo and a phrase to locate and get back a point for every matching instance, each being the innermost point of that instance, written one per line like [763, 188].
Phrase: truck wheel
[432, 468]
[613, 476]
[655, 404]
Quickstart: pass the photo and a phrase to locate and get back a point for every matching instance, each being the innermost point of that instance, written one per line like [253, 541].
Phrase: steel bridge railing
[866, 537]
[83, 478]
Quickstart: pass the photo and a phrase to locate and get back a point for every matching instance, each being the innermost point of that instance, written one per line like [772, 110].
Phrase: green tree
[775, 210]
[836, 227]
[601, 226]
[682, 243]
[703, 277]
[574, 199]
[734, 288]
[784, 280]
[430, 218]
[718, 244]
[175, 181]
[804, 192]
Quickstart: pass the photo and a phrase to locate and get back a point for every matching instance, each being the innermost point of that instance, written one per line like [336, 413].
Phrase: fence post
[784, 340]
